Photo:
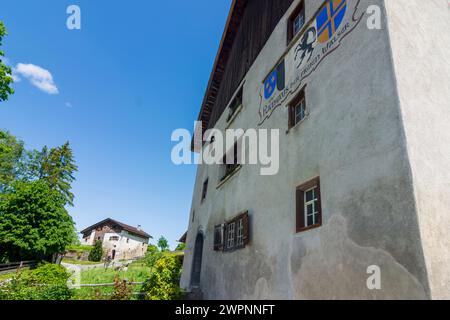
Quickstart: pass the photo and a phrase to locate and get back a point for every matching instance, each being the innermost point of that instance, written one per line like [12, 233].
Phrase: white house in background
[120, 240]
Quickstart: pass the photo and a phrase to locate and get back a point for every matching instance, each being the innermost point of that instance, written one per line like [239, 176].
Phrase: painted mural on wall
[334, 21]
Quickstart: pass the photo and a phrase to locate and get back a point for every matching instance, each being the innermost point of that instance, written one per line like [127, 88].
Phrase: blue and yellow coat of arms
[329, 19]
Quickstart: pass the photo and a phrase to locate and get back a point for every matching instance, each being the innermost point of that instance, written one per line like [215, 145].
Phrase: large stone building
[119, 240]
[363, 188]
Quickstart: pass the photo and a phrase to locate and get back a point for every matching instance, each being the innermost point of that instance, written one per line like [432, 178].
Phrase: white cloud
[68, 105]
[15, 77]
[38, 77]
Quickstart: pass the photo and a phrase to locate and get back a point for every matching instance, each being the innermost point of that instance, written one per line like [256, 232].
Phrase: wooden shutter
[291, 116]
[219, 237]
[246, 225]
[300, 209]
[319, 202]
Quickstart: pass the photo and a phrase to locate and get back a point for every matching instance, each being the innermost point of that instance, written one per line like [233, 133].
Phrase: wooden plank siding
[249, 26]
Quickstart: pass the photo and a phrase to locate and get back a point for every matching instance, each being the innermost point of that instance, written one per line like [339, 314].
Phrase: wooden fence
[13, 266]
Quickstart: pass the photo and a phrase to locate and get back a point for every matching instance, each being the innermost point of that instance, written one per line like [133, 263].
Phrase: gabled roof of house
[183, 238]
[122, 225]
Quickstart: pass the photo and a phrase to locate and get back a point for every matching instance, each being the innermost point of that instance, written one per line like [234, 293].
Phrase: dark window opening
[197, 261]
[231, 163]
[205, 190]
[308, 206]
[296, 21]
[235, 104]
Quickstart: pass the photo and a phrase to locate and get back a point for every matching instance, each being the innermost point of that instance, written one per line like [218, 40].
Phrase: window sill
[234, 249]
[298, 124]
[299, 231]
[228, 177]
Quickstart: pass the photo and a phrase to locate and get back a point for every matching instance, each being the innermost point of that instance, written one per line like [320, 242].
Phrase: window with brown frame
[233, 234]
[204, 190]
[308, 206]
[296, 21]
[297, 109]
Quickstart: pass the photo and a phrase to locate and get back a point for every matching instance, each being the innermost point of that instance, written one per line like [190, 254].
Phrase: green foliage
[180, 247]
[48, 273]
[11, 151]
[5, 72]
[47, 282]
[96, 253]
[55, 166]
[152, 248]
[164, 281]
[34, 225]
[151, 258]
[58, 168]
[163, 244]
[34, 190]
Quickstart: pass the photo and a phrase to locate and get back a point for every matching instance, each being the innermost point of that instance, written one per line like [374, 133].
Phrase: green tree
[163, 244]
[56, 167]
[96, 253]
[11, 153]
[5, 71]
[181, 247]
[34, 225]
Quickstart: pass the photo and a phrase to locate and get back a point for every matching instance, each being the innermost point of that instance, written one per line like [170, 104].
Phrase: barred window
[233, 234]
[240, 232]
[230, 235]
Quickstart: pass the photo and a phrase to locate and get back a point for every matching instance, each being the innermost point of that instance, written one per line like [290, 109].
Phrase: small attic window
[235, 105]
[296, 22]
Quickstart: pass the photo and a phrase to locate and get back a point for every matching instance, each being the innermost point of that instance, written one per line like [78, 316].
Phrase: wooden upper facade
[249, 26]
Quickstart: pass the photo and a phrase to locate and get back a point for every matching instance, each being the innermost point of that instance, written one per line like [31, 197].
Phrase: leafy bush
[47, 282]
[151, 258]
[49, 274]
[152, 248]
[164, 281]
[96, 253]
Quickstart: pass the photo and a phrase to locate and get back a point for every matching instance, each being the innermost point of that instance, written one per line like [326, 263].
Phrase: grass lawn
[79, 248]
[137, 272]
[80, 262]
[10, 275]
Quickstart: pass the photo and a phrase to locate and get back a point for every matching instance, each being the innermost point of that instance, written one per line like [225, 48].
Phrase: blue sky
[116, 89]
